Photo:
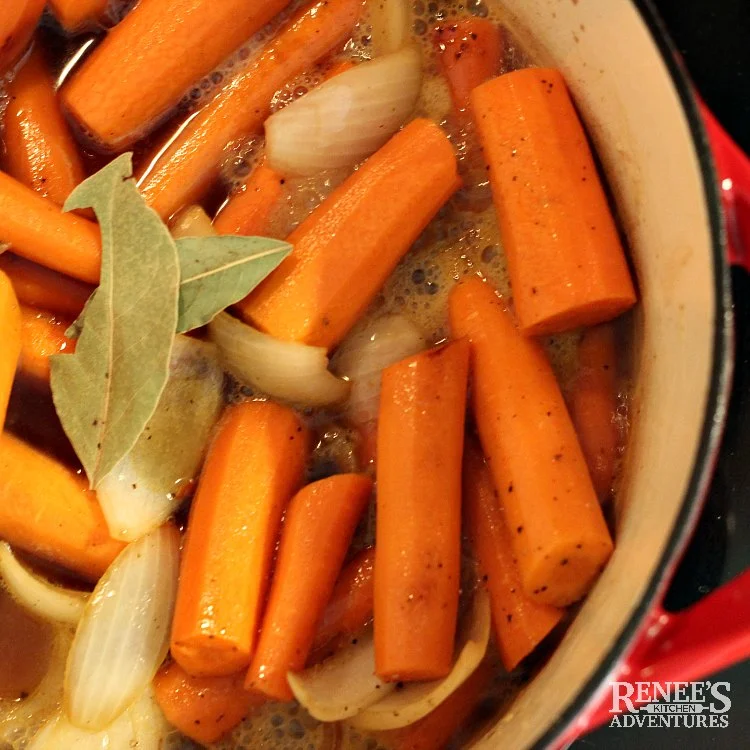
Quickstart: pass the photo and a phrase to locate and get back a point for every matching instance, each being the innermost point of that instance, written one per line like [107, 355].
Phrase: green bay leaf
[108, 389]
[216, 272]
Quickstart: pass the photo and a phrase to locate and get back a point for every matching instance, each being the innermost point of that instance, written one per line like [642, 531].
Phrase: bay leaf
[216, 272]
[107, 390]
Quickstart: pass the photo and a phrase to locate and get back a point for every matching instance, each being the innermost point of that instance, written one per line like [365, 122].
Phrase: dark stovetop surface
[713, 37]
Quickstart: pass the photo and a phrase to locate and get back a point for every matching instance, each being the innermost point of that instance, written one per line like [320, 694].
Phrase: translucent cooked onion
[192, 221]
[123, 635]
[282, 369]
[389, 22]
[44, 599]
[346, 119]
[416, 700]
[146, 487]
[342, 686]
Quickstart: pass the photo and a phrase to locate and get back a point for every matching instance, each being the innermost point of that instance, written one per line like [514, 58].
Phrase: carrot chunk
[317, 531]
[565, 259]
[17, 25]
[253, 468]
[10, 335]
[42, 335]
[75, 15]
[560, 538]
[420, 444]
[320, 290]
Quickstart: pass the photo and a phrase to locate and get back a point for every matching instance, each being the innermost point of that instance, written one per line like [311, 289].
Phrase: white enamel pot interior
[641, 118]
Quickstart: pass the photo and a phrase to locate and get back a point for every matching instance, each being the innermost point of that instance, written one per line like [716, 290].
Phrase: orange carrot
[322, 288]
[520, 624]
[75, 15]
[340, 66]
[48, 510]
[39, 230]
[202, 708]
[420, 443]
[559, 534]
[254, 466]
[565, 259]
[317, 531]
[593, 403]
[18, 21]
[10, 335]
[39, 287]
[470, 52]
[191, 163]
[438, 727]
[42, 335]
[39, 149]
[247, 211]
[350, 606]
[147, 62]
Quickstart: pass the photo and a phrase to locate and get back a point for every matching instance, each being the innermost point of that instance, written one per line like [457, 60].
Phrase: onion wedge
[282, 369]
[340, 687]
[415, 701]
[389, 23]
[44, 599]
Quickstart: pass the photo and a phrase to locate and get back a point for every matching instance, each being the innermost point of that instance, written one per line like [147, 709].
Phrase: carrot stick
[139, 72]
[559, 535]
[75, 15]
[321, 289]
[470, 52]
[39, 230]
[438, 727]
[350, 607]
[190, 164]
[39, 287]
[17, 25]
[10, 335]
[42, 335]
[340, 66]
[420, 443]
[48, 510]
[565, 259]
[254, 466]
[39, 149]
[520, 623]
[317, 531]
[593, 405]
[202, 708]
[247, 211]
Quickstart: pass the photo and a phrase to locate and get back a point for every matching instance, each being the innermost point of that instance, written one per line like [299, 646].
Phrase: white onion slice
[347, 118]
[389, 23]
[343, 685]
[45, 599]
[146, 486]
[416, 700]
[192, 221]
[364, 355]
[124, 632]
[282, 369]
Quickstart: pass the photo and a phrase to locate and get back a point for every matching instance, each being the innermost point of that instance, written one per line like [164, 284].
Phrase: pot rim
[716, 404]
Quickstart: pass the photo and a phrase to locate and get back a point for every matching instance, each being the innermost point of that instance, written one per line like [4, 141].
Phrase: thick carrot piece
[247, 211]
[253, 468]
[17, 25]
[557, 528]
[418, 533]
[39, 287]
[147, 62]
[565, 259]
[470, 52]
[318, 528]
[10, 335]
[190, 164]
[202, 708]
[75, 15]
[40, 231]
[593, 405]
[48, 510]
[322, 288]
[350, 607]
[39, 149]
[520, 624]
[42, 335]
